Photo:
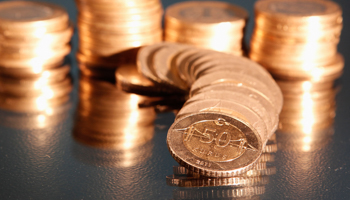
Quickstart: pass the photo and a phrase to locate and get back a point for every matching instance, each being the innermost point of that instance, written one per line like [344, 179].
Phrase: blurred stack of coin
[249, 184]
[110, 31]
[34, 40]
[209, 24]
[231, 112]
[297, 39]
[297, 42]
[110, 118]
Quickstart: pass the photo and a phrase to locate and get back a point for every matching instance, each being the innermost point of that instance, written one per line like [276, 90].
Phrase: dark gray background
[49, 164]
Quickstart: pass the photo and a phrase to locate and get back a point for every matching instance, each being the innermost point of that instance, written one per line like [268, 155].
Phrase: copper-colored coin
[299, 11]
[230, 108]
[49, 39]
[205, 13]
[225, 77]
[247, 92]
[212, 25]
[164, 66]
[244, 100]
[25, 17]
[129, 79]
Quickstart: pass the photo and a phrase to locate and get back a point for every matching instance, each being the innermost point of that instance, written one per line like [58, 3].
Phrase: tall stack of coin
[210, 24]
[231, 112]
[297, 42]
[34, 40]
[249, 184]
[110, 118]
[110, 30]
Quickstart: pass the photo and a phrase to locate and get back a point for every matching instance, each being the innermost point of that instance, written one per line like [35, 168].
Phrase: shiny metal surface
[39, 159]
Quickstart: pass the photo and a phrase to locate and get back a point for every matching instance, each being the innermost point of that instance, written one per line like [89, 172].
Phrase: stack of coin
[231, 112]
[249, 184]
[34, 40]
[297, 42]
[210, 24]
[111, 30]
[110, 118]
[298, 39]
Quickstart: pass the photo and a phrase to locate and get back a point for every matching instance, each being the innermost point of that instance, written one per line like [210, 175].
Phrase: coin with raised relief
[248, 93]
[244, 100]
[215, 145]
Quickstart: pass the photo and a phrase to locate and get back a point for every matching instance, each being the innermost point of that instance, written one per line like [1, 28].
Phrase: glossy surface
[45, 162]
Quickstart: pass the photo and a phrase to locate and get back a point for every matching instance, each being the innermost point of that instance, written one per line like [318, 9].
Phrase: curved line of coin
[231, 112]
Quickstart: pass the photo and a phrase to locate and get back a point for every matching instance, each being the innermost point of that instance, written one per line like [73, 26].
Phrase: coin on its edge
[214, 144]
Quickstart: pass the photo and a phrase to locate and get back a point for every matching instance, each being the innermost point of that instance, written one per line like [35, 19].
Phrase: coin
[201, 153]
[25, 17]
[213, 25]
[298, 44]
[115, 28]
[237, 89]
[244, 99]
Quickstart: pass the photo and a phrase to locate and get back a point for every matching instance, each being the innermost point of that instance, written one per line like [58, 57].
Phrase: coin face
[296, 8]
[25, 12]
[206, 12]
[214, 144]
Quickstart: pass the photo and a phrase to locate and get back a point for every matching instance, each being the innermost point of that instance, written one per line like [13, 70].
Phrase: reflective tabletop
[41, 157]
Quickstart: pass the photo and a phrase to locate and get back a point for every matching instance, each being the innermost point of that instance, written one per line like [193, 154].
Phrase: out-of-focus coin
[26, 17]
[213, 25]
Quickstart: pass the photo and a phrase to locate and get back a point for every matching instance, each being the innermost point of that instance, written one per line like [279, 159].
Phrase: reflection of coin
[227, 148]
[184, 181]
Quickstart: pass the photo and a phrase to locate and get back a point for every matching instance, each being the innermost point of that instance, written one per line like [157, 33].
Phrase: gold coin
[129, 79]
[193, 150]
